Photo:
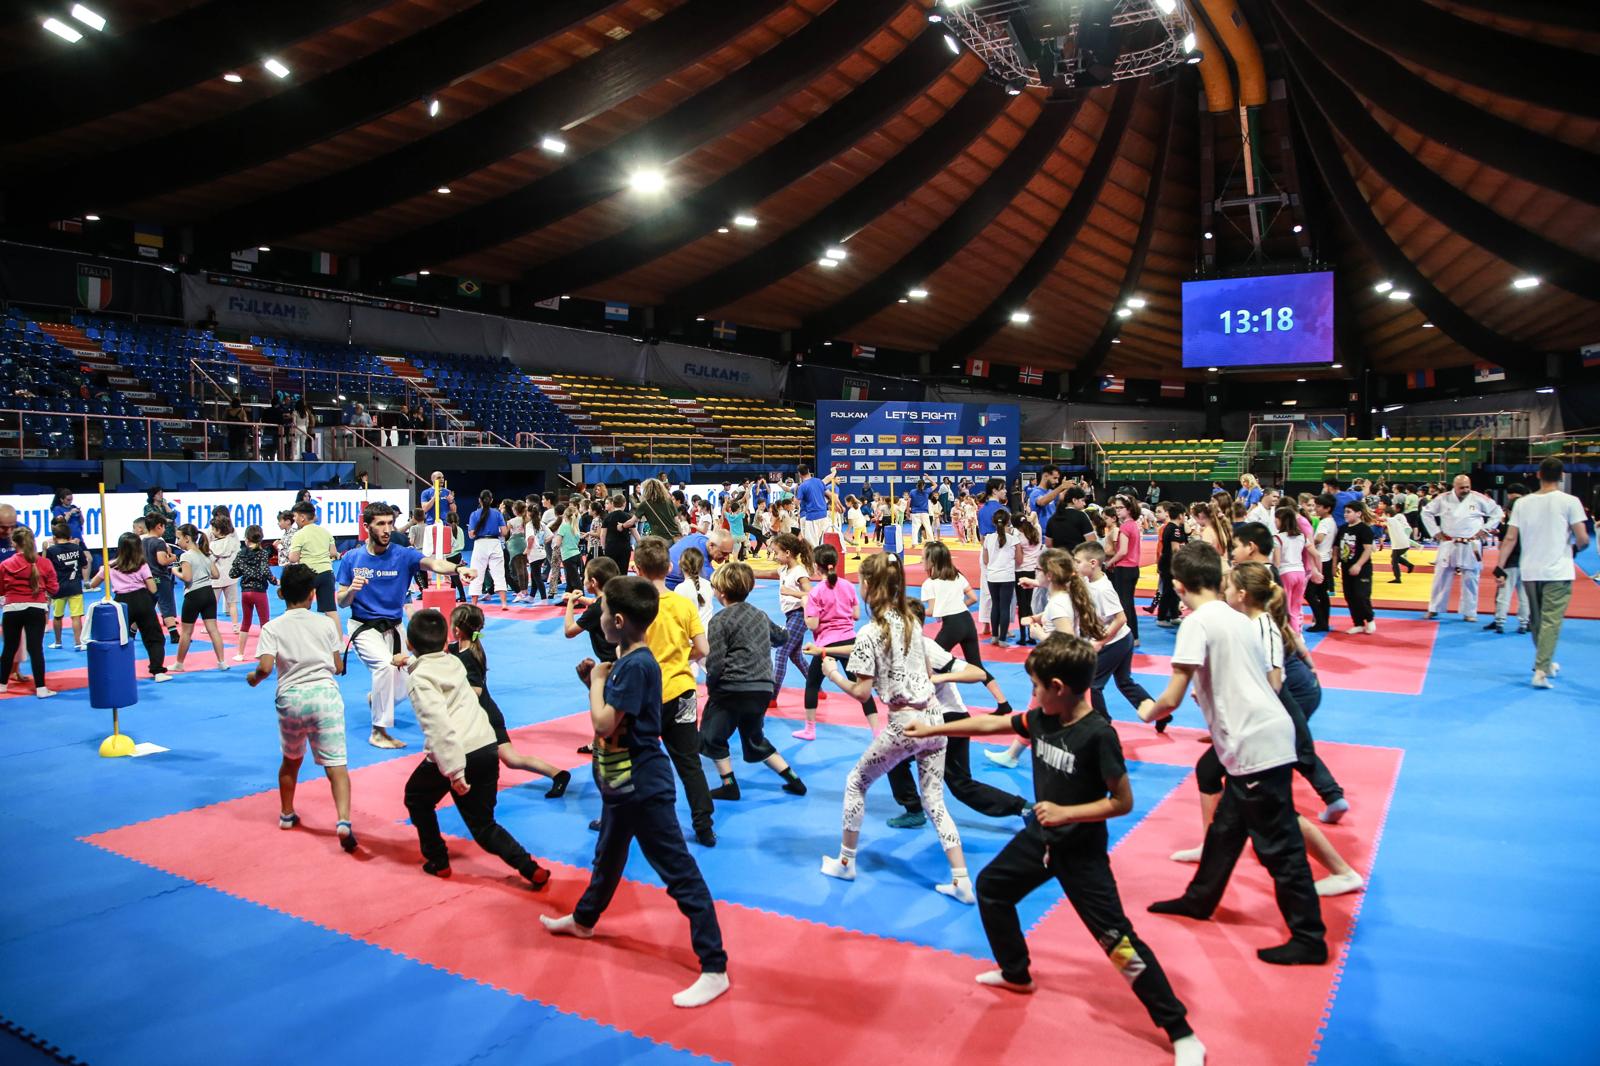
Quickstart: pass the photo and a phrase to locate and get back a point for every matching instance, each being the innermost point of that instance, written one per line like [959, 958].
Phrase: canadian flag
[977, 368]
[1030, 375]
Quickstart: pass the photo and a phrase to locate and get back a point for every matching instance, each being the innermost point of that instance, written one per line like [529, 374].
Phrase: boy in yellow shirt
[676, 638]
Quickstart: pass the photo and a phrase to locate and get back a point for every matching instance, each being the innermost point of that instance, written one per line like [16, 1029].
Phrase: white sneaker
[1555, 669]
[1372, 627]
[1002, 758]
[1540, 680]
[1340, 884]
[996, 979]
[162, 677]
[842, 870]
[43, 693]
[82, 647]
[1187, 855]
[175, 668]
[1356, 629]
[240, 659]
[54, 644]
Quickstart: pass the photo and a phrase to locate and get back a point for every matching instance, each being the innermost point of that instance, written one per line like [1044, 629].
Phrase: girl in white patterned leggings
[889, 657]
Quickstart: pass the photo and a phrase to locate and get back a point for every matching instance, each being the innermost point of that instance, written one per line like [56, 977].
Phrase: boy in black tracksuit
[1168, 607]
[1080, 781]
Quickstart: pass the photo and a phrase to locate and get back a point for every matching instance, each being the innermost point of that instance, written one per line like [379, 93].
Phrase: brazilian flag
[468, 287]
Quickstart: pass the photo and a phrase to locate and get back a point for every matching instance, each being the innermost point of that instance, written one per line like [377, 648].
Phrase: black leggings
[1000, 608]
[1024, 598]
[957, 631]
[17, 623]
[141, 607]
[1397, 559]
[572, 571]
[1125, 579]
[814, 679]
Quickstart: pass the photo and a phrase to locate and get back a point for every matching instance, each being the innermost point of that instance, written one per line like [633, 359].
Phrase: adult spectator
[447, 499]
[1548, 527]
[156, 506]
[237, 417]
[63, 507]
[717, 546]
[1070, 526]
[812, 495]
[360, 426]
[919, 514]
[1509, 571]
[1044, 496]
[1460, 521]
[657, 511]
[1249, 490]
[313, 545]
[994, 490]
[1342, 497]
[374, 581]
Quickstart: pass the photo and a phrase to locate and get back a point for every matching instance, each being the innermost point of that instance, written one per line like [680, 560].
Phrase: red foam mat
[1394, 659]
[864, 998]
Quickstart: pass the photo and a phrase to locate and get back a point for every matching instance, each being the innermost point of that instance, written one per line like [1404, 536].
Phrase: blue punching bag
[112, 681]
[891, 539]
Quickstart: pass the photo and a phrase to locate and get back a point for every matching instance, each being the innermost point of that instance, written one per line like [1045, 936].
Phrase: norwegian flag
[1030, 375]
[977, 368]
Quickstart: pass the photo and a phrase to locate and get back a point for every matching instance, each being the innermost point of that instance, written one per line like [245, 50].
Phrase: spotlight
[1298, 228]
[1124, 312]
[1136, 302]
[422, 273]
[1427, 325]
[91, 218]
[1208, 235]
[275, 68]
[1020, 318]
[918, 294]
[1211, 370]
[443, 190]
[1015, 86]
[1399, 294]
[89, 18]
[231, 78]
[699, 318]
[1300, 381]
[744, 221]
[1116, 340]
[722, 229]
[433, 108]
[63, 31]
[566, 297]
[1547, 390]
[828, 264]
[1189, 41]
[902, 300]
[1335, 366]
[263, 248]
[1166, 7]
[1529, 282]
[553, 145]
[934, 16]
[1194, 57]
[952, 44]
[1383, 286]
[834, 252]
[648, 181]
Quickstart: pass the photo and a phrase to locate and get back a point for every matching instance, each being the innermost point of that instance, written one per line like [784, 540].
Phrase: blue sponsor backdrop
[878, 442]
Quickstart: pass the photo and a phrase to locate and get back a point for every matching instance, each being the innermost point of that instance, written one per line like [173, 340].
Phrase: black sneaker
[535, 875]
[437, 869]
[706, 836]
[1497, 627]
[594, 826]
[558, 785]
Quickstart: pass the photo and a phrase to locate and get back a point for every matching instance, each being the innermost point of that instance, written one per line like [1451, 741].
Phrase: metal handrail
[409, 389]
[7, 416]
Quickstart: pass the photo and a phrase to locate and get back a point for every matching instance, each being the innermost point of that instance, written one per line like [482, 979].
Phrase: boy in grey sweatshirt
[739, 681]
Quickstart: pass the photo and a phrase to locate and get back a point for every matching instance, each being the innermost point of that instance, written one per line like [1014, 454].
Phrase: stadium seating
[1170, 460]
[493, 394]
[1395, 458]
[769, 434]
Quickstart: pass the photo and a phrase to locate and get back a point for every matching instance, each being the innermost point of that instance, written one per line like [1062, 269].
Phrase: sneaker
[1497, 626]
[558, 785]
[1340, 884]
[240, 659]
[162, 677]
[43, 693]
[833, 867]
[176, 668]
[1372, 627]
[908, 820]
[1002, 757]
[706, 836]
[54, 644]
[1187, 855]
[1541, 680]
[288, 821]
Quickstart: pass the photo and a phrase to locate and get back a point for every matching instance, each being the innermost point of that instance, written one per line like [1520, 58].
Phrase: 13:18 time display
[1266, 320]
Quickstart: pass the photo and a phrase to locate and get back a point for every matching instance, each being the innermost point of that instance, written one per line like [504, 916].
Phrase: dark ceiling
[1439, 144]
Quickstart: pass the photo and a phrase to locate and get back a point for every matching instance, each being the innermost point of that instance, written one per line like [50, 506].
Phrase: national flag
[724, 331]
[1484, 373]
[324, 263]
[1174, 388]
[855, 389]
[469, 288]
[863, 351]
[68, 225]
[1112, 383]
[549, 303]
[1030, 375]
[406, 280]
[243, 259]
[1419, 379]
[1590, 354]
[977, 368]
[94, 286]
[616, 312]
[149, 235]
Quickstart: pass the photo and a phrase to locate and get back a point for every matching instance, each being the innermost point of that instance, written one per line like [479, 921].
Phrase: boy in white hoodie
[460, 755]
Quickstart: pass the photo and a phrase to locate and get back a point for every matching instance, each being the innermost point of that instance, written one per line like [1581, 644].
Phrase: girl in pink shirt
[832, 610]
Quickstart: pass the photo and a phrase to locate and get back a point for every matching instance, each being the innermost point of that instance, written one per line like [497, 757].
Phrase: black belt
[390, 626]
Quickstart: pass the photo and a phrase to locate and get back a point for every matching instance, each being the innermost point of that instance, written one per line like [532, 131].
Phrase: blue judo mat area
[1472, 945]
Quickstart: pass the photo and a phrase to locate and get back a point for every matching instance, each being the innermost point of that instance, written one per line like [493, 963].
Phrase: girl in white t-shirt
[1001, 552]
[794, 584]
[890, 658]
[947, 596]
[697, 590]
[1289, 549]
[1027, 568]
[1114, 643]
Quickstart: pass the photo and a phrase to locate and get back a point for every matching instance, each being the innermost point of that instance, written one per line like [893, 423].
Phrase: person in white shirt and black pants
[1549, 527]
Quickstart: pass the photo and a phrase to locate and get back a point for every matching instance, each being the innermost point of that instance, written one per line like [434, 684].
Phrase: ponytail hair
[797, 548]
[198, 538]
[22, 540]
[692, 565]
[883, 584]
[1057, 565]
[1288, 520]
[936, 561]
[485, 502]
[1002, 522]
[1028, 528]
[1255, 581]
[827, 559]
[467, 621]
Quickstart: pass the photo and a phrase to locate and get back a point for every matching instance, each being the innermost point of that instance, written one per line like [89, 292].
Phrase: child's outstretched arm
[1171, 697]
[982, 725]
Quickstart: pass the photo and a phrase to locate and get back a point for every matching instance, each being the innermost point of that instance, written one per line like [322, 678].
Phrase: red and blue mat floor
[155, 913]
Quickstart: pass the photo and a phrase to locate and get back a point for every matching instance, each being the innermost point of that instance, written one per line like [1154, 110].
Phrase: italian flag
[323, 263]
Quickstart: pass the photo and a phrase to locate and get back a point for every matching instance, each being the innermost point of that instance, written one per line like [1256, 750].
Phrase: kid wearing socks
[466, 639]
[831, 613]
[1080, 781]
[307, 650]
[635, 785]
[1218, 649]
[252, 567]
[739, 681]
[460, 755]
[1114, 645]
[793, 556]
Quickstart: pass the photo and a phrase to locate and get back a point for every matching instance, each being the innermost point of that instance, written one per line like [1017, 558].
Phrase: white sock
[566, 925]
[1340, 884]
[844, 867]
[959, 888]
[1187, 855]
[996, 979]
[1188, 1051]
[707, 987]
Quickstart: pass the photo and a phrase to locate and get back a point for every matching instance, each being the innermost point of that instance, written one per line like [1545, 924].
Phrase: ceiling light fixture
[263, 248]
[1189, 41]
[1136, 302]
[1383, 286]
[835, 252]
[827, 263]
[1529, 282]
[952, 44]
[1166, 7]
[443, 190]
[433, 108]
[91, 19]
[1427, 325]
[934, 16]
[1208, 235]
[275, 68]
[722, 229]
[902, 300]
[1399, 294]
[231, 78]
[1020, 318]
[1547, 390]
[918, 294]
[744, 221]
[1195, 57]
[1298, 227]
[1393, 407]
[553, 145]
[63, 31]
[1300, 381]
[648, 181]
[422, 273]
[1335, 366]
[1211, 370]
[699, 318]
[91, 218]
[1124, 312]
[1116, 340]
